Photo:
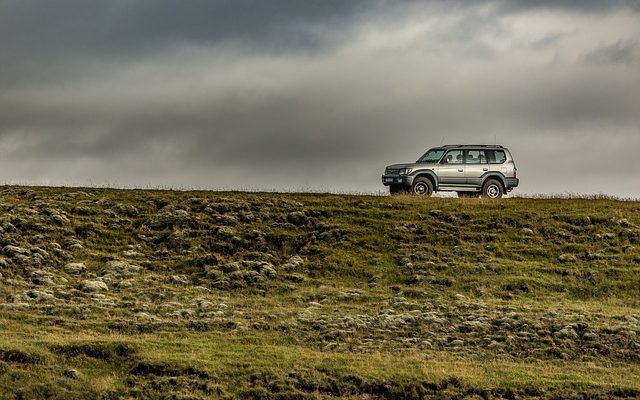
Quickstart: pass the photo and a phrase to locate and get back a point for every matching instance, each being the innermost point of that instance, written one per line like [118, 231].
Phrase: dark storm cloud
[129, 27]
[313, 94]
[105, 33]
[618, 52]
[570, 5]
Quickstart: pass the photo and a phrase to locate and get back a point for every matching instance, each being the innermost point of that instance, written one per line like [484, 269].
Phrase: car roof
[498, 146]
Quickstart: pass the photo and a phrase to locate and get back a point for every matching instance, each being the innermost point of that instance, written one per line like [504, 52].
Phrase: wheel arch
[429, 175]
[497, 176]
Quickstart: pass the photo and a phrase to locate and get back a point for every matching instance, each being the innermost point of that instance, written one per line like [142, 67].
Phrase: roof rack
[474, 145]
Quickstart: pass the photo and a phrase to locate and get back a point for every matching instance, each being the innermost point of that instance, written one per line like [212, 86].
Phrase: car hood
[407, 165]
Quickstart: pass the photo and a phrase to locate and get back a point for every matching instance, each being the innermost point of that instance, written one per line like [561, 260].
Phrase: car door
[476, 165]
[451, 168]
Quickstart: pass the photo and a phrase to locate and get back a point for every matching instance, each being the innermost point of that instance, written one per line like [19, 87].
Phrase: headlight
[405, 171]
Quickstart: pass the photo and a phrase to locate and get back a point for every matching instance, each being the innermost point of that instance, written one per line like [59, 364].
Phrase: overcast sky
[316, 94]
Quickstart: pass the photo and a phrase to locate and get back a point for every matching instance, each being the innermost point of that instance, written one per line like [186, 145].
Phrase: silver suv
[470, 170]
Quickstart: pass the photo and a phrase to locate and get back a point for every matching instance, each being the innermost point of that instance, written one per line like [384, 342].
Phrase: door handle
[485, 169]
[459, 170]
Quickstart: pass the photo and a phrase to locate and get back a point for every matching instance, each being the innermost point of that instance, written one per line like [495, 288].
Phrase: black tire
[422, 187]
[492, 189]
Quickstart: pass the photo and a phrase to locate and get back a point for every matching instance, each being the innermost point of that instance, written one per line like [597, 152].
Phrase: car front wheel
[422, 187]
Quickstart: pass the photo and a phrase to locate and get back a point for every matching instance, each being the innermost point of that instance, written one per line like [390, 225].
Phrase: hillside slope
[160, 294]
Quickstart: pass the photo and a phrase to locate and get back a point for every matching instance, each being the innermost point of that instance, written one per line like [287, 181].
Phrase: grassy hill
[190, 295]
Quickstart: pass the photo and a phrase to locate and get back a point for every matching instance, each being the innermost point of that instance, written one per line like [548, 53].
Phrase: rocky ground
[161, 294]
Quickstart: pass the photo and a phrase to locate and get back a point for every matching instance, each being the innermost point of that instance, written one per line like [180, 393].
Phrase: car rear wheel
[422, 187]
[492, 189]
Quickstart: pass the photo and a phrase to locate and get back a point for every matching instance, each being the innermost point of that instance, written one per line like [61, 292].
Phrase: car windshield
[431, 156]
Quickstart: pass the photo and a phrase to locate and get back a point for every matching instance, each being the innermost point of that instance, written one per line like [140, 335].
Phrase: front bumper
[403, 180]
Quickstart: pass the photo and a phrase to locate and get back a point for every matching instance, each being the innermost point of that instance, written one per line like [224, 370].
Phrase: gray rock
[43, 281]
[92, 286]
[124, 284]
[526, 231]
[590, 336]
[294, 263]
[456, 343]
[41, 277]
[169, 219]
[120, 268]
[567, 258]
[13, 251]
[39, 296]
[106, 278]
[202, 303]
[566, 333]
[224, 219]
[126, 209]
[181, 214]
[145, 317]
[182, 313]
[75, 268]
[132, 254]
[41, 252]
[268, 271]
[224, 232]
[297, 260]
[71, 373]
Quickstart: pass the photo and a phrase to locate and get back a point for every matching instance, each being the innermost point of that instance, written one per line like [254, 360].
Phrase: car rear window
[496, 156]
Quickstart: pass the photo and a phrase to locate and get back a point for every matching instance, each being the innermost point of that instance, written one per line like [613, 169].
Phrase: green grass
[391, 297]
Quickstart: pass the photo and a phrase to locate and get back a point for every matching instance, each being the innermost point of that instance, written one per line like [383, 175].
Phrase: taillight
[515, 172]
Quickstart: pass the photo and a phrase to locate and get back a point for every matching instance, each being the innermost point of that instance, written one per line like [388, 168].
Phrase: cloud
[277, 95]
[587, 6]
[620, 52]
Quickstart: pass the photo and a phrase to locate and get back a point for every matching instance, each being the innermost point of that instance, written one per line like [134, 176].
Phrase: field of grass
[123, 294]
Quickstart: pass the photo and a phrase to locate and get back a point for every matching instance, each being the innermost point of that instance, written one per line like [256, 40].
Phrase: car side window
[496, 156]
[453, 157]
[476, 157]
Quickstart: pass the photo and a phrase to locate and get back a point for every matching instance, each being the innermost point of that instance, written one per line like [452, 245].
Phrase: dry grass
[269, 295]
